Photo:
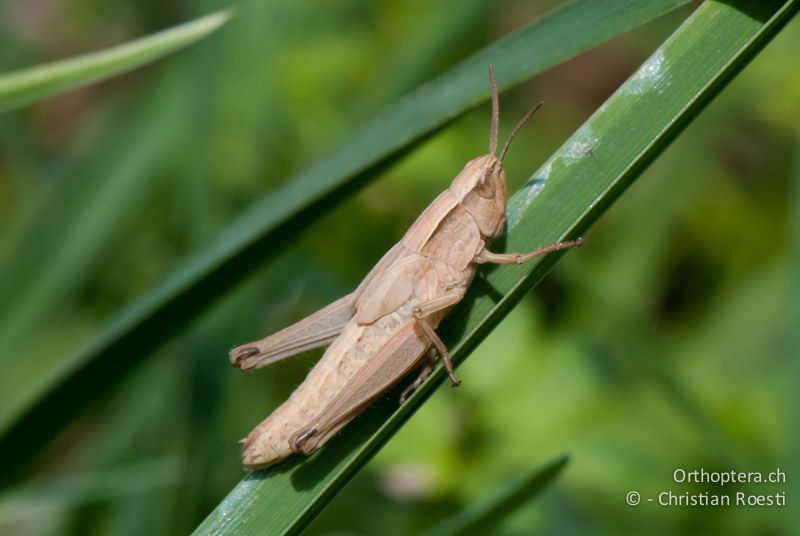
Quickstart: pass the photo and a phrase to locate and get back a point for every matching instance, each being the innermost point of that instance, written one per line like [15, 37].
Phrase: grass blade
[483, 518]
[31, 419]
[570, 191]
[36, 83]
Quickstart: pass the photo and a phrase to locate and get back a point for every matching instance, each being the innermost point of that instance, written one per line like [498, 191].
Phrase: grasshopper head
[481, 190]
[481, 185]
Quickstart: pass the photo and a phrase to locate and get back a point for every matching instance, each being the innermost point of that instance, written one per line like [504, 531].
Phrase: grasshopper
[386, 328]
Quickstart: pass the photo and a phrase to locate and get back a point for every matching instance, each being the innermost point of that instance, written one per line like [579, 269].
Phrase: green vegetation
[152, 222]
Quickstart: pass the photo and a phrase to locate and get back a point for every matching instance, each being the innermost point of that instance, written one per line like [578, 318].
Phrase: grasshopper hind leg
[318, 329]
[396, 357]
[308, 440]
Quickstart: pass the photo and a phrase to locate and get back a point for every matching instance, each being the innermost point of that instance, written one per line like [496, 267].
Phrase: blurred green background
[669, 341]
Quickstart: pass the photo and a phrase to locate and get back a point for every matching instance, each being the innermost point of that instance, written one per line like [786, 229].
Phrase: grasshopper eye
[485, 187]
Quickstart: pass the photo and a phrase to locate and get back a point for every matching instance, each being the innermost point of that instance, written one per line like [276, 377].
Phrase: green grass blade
[483, 518]
[567, 194]
[31, 419]
[36, 83]
[73, 223]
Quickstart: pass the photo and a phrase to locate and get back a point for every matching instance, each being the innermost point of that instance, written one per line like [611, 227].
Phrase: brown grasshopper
[385, 328]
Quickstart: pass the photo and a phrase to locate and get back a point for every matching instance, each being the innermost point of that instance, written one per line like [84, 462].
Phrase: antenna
[517, 129]
[495, 113]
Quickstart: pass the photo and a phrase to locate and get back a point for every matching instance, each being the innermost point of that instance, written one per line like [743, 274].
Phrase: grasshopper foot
[242, 354]
[298, 442]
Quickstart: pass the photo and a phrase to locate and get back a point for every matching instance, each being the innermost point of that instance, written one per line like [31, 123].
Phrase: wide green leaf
[561, 200]
[43, 407]
[35, 83]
